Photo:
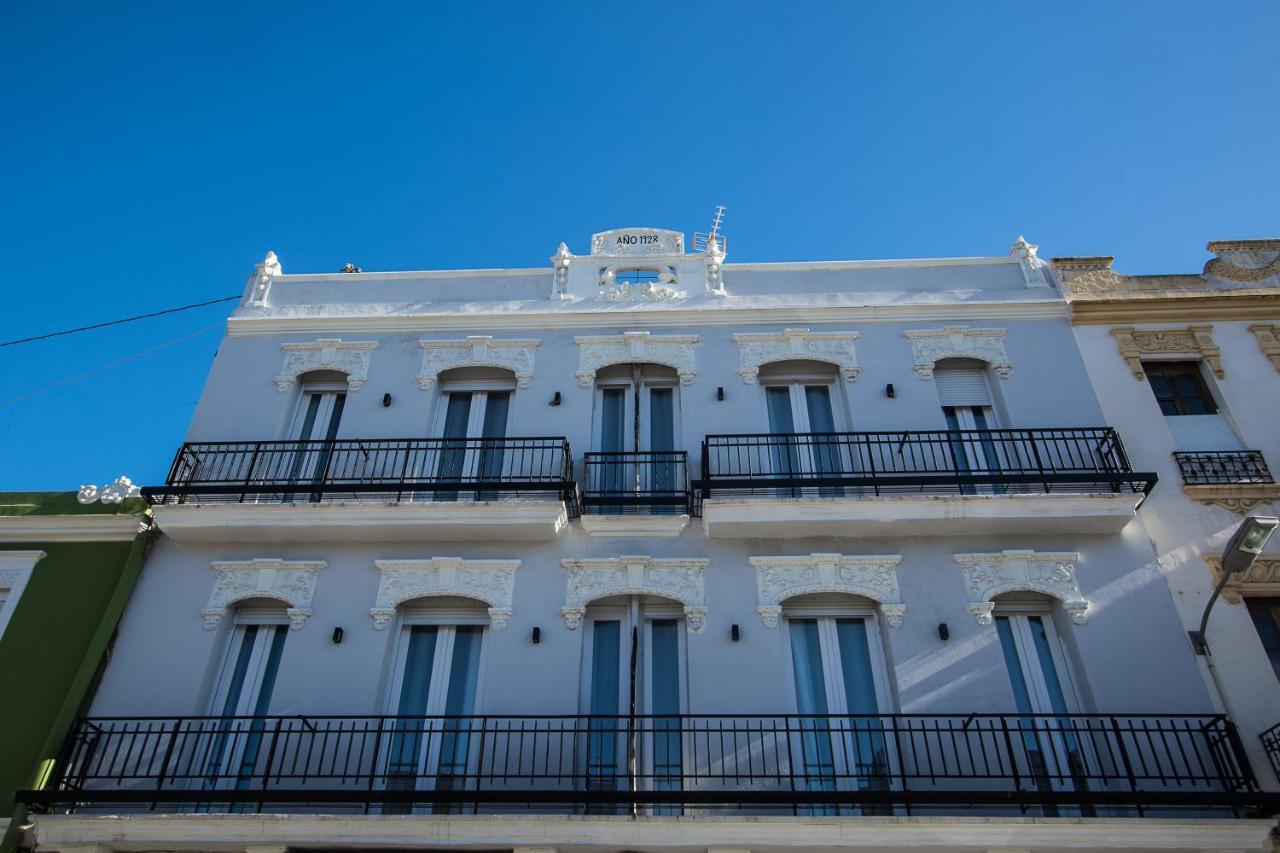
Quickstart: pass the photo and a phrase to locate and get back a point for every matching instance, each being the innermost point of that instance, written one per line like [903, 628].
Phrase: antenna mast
[701, 240]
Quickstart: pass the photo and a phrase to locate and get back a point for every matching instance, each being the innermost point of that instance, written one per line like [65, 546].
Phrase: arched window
[318, 412]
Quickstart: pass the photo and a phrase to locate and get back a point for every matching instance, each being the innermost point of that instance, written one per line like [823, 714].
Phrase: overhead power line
[117, 322]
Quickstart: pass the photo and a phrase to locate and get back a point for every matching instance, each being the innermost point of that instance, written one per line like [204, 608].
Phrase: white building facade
[641, 549]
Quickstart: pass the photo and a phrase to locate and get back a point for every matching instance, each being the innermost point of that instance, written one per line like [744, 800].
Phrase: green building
[67, 566]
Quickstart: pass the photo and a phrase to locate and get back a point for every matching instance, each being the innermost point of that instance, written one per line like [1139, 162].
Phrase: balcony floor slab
[634, 525]
[924, 515]
[426, 521]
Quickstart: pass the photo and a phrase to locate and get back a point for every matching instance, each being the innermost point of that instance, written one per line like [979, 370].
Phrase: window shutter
[262, 615]
[962, 387]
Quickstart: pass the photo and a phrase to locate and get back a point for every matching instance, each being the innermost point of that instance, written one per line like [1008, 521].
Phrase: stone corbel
[680, 579]
[490, 581]
[757, 349]
[873, 576]
[477, 351]
[675, 351]
[291, 582]
[932, 345]
[1268, 336]
[349, 357]
[1262, 580]
[1194, 342]
[1052, 573]
[1240, 498]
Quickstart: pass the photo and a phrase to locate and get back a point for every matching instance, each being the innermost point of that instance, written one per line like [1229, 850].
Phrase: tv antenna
[701, 240]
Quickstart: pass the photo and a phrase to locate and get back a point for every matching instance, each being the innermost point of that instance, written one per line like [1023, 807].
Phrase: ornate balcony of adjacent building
[1077, 765]
[1271, 743]
[936, 483]
[1237, 480]
[418, 489]
[636, 493]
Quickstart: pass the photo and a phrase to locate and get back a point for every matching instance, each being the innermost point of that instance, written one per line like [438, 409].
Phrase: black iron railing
[1212, 468]
[655, 481]
[1271, 743]
[401, 469]
[812, 764]
[1001, 461]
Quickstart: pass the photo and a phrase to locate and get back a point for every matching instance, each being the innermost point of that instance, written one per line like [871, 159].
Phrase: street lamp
[1245, 546]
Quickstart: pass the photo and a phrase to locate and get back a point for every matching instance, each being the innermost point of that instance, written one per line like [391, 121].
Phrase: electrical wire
[116, 322]
[99, 369]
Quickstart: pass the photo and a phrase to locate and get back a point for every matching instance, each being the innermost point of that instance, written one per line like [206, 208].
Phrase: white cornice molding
[477, 351]
[674, 351]
[490, 581]
[70, 528]
[292, 582]
[679, 578]
[759, 348]
[349, 357]
[1051, 573]
[932, 345]
[15, 571]
[872, 576]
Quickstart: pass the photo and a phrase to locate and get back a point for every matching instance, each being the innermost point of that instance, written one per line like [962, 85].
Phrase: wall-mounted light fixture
[720, 393]
[555, 401]
[1237, 558]
[735, 634]
[944, 633]
[536, 637]
[889, 392]
[386, 400]
[337, 636]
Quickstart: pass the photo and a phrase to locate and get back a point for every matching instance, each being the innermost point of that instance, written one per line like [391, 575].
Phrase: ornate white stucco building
[640, 549]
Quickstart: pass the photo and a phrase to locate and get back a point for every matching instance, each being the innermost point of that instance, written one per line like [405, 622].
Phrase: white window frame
[18, 567]
[1030, 660]
[796, 381]
[827, 614]
[628, 409]
[444, 617]
[324, 413]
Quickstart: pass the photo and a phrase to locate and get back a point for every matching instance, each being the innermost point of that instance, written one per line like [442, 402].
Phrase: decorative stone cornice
[872, 576]
[477, 351]
[1238, 498]
[1243, 260]
[349, 357]
[1052, 573]
[756, 349]
[292, 582]
[933, 345]
[1268, 335]
[1192, 342]
[675, 351]
[680, 579]
[1262, 580]
[490, 581]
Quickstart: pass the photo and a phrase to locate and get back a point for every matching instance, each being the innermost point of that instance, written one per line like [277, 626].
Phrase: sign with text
[637, 241]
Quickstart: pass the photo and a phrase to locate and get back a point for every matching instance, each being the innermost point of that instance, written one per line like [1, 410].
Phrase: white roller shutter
[962, 387]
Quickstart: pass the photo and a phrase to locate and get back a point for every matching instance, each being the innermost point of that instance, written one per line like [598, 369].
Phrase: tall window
[965, 394]
[637, 412]
[801, 400]
[315, 421]
[472, 420]
[1179, 387]
[1265, 613]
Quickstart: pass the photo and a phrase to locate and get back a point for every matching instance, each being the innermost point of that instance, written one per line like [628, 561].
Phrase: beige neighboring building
[1187, 367]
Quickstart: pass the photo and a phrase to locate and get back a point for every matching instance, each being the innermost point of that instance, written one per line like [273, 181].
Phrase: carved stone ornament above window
[1268, 336]
[675, 351]
[477, 351]
[680, 579]
[1193, 342]
[1052, 573]
[349, 357]
[933, 345]
[1262, 580]
[874, 576]
[490, 581]
[756, 349]
[292, 582]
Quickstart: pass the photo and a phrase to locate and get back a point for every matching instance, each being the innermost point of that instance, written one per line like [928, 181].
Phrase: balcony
[636, 494]
[939, 483]
[412, 489]
[1070, 765]
[1271, 743]
[1236, 480]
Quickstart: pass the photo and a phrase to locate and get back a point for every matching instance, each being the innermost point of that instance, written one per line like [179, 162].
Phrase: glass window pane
[665, 666]
[419, 661]
[309, 421]
[817, 400]
[1012, 662]
[248, 635]
[613, 419]
[806, 659]
[457, 415]
[335, 417]
[1266, 619]
[1053, 683]
[662, 430]
[606, 638]
[495, 414]
[779, 402]
[855, 664]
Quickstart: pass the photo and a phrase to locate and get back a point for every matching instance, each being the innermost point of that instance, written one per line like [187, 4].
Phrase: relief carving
[873, 576]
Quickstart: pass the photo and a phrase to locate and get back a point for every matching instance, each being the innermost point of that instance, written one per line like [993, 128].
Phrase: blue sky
[152, 153]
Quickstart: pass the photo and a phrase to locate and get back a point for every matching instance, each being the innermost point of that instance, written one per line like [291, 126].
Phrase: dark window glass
[1179, 388]
[1266, 618]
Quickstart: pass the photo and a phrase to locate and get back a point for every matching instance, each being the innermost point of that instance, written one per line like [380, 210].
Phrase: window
[472, 418]
[1179, 387]
[315, 420]
[637, 412]
[1265, 613]
[636, 277]
[965, 395]
[800, 399]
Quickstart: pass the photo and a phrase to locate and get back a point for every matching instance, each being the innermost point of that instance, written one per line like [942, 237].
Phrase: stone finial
[260, 279]
[1032, 266]
[715, 266]
[560, 269]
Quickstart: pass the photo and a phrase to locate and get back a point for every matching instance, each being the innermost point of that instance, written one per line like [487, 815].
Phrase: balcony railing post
[168, 754]
[373, 764]
[271, 757]
[1035, 452]
[484, 725]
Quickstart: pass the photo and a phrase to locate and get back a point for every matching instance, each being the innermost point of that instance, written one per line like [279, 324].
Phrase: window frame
[1272, 605]
[1169, 369]
[829, 613]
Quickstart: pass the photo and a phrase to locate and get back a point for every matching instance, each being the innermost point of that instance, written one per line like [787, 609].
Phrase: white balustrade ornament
[675, 351]
[872, 576]
[259, 283]
[1032, 267]
[477, 351]
[112, 493]
[490, 581]
[1052, 573]
[680, 579]
[933, 345]
[715, 267]
[349, 357]
[292, 582]
[756, 349]
[560, 263]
